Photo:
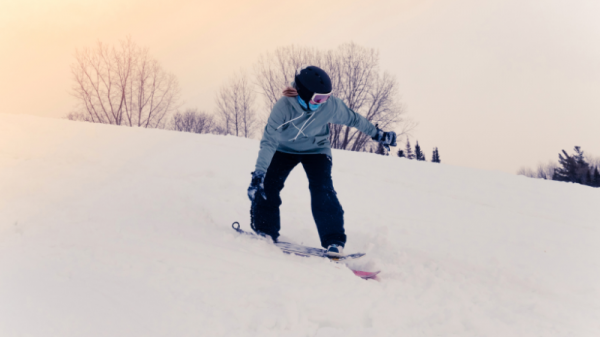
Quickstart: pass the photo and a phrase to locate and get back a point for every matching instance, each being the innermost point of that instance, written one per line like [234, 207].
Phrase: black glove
[257, 185]
[386, 139]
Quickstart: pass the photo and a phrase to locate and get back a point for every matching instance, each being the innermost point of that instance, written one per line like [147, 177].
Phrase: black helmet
[312, 80]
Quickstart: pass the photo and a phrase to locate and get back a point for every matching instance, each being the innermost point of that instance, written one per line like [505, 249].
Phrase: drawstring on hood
[306, 123]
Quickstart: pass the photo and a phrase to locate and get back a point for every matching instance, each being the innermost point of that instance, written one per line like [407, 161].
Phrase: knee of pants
[324, 194]
[327, 197]
[322, 187]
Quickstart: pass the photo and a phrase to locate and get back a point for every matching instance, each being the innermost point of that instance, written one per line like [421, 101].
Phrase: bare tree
[235, 106]
[546, 171]
[122, 85]
[274, 71]
[543, 171]
[526, 171]
[194, 121]
[356, 79]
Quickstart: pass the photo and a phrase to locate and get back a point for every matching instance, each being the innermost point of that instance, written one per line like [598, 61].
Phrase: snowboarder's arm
[270, 138]
[346, 116]
[268, 146]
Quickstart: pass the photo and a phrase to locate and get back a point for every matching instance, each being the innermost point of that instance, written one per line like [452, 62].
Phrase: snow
[116, 231]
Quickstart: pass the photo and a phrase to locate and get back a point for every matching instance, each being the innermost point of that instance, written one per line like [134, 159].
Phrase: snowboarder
[298, 132]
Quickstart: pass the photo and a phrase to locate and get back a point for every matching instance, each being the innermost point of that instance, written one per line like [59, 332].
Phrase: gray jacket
[290, 129]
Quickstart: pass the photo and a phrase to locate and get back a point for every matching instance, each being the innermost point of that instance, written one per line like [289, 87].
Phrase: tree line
[576, 168]
[124, 85]
[408, 153]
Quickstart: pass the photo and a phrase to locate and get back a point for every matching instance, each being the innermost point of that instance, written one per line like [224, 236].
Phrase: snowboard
[301, 250]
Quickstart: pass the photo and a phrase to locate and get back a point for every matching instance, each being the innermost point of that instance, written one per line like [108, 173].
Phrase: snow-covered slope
[114, 231]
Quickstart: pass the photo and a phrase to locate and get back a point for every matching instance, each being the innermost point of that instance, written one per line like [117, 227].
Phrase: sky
[496, 84]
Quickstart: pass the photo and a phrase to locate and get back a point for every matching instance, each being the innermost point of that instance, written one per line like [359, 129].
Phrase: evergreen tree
[596, 178]
[583, 168]
[409, 154]
[381, 150]
[435, 158]
[579, 157]
[588, 178]
[401, 153]
[567, 169]
[572, 168]
[419, 155]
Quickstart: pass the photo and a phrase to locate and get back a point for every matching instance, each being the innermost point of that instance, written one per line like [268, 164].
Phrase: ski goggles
[319, 98]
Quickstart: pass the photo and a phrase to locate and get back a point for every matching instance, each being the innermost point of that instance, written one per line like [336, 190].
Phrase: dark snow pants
[326, 208]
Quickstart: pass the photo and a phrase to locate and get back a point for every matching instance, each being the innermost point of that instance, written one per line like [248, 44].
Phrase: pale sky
[495, 84]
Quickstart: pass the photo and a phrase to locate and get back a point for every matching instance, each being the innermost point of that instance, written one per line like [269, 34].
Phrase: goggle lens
[320, 98]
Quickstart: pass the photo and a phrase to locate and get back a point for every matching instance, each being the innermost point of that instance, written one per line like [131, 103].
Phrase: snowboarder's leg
[266, 212]
[326, 209]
